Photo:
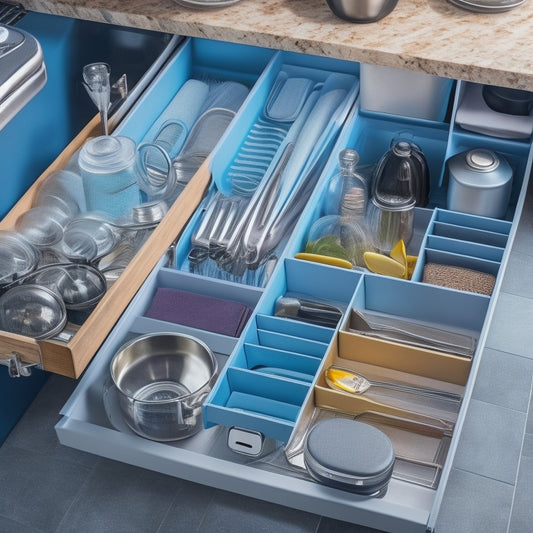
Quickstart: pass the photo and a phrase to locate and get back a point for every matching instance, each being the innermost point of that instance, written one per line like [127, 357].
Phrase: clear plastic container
[107, 166]
[336, 236]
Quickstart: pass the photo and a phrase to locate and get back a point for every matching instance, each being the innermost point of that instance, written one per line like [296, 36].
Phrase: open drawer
[92, 419]
[194, 59]
[271, 387]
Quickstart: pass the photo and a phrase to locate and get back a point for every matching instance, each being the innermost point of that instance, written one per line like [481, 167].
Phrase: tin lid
[482, 160]
[480, 168]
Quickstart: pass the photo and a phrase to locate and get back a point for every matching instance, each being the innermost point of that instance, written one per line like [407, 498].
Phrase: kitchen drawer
[272, 381]
[196, 58]
[92, 420]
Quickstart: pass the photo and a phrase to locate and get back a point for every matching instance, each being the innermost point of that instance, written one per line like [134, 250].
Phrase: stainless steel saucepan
[162, 381]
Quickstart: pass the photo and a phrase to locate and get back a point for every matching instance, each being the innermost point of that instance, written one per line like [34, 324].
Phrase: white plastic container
[404, 92]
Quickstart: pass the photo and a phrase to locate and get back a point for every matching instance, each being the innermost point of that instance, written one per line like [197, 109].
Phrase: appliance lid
[22, 70]
[20, 57]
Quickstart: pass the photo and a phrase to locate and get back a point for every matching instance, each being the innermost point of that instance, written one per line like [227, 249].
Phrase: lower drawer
[92, 422]
[281, 407]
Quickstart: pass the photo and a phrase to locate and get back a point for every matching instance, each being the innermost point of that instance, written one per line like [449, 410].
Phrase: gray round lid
[350, 449]
[480, 168]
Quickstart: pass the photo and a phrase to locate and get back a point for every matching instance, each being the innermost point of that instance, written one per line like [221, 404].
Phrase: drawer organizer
[258, 391]
[463, 240]
[266, 167]
[272, 388]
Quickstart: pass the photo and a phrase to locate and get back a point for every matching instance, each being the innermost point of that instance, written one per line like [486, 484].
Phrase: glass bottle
[402, 172]
[348, 191]
[391, 211]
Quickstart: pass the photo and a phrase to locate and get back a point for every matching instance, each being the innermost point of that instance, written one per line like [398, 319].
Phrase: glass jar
[403, 171]
[391, 211]
[390, 222]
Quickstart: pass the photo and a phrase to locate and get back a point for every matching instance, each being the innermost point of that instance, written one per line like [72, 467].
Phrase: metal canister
[480, 183]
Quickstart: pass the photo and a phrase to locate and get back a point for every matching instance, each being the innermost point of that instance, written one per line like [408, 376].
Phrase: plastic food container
[350, 455]
[404, 92]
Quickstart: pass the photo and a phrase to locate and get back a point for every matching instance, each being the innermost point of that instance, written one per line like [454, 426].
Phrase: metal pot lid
[88, 238]
[17, 257]
[80, 286]
[32, 311]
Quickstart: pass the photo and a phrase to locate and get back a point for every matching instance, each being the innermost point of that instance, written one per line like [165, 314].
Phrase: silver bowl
[361, 10]
[162, 381]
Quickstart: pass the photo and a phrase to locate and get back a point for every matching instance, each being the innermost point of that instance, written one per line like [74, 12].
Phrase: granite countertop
[431, 36]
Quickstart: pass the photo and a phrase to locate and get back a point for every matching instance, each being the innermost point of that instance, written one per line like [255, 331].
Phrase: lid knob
[482, 160]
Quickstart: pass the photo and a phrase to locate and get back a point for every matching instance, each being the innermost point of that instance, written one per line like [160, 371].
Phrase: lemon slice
[324, 259]
[385, 265]
[399, 254]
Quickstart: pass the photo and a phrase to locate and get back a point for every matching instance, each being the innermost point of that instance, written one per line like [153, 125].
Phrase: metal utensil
[411, 333]
[306, 310]
[355, 383]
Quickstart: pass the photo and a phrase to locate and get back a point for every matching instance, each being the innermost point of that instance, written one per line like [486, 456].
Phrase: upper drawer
[195, 59]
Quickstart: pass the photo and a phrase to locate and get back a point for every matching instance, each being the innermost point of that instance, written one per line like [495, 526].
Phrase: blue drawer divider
[246, 398]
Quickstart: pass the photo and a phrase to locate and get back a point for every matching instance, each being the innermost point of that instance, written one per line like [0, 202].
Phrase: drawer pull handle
[16, 367]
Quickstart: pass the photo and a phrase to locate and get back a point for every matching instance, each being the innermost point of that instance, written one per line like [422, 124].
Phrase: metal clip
[16, 367]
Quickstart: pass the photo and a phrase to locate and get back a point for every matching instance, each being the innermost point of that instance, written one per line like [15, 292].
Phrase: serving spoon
[353, 382]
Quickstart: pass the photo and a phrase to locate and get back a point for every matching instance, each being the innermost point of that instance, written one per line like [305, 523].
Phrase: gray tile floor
[490, 488]
[46, 487]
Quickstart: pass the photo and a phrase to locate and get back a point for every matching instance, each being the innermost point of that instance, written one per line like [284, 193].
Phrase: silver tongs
[407, 332]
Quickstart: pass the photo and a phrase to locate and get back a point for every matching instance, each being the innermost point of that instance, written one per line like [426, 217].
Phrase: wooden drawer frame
[71, 358]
